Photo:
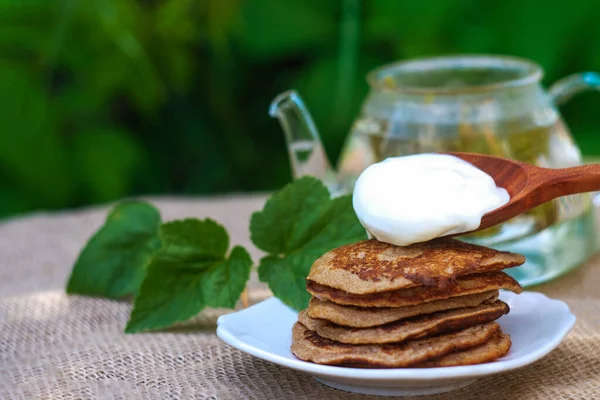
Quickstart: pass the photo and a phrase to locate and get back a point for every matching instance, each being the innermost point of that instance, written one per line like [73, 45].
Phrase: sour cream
[411, 199]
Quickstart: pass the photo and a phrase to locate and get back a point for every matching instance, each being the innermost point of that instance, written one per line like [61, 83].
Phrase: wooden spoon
[528, 185]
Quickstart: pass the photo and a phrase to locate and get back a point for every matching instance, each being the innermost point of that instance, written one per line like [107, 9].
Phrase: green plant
[175, 269]
[105, 99]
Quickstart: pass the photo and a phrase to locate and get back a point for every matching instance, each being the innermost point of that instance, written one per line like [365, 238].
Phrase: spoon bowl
[529, 185]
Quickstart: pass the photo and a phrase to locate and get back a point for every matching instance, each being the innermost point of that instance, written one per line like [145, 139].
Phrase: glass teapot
[483, 104]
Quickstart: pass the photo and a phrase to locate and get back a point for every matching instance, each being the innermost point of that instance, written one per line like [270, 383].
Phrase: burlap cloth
[57, 347]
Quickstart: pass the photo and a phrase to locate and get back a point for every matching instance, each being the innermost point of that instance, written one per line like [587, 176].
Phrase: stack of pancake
[376, 305]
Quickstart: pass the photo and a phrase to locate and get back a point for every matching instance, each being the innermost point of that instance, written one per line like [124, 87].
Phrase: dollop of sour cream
[411, 199]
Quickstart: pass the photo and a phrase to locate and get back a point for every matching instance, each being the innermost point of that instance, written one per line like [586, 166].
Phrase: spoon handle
[542, 185]
[552, 183]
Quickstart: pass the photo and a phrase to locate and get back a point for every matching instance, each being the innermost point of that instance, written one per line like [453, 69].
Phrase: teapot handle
[565, 88]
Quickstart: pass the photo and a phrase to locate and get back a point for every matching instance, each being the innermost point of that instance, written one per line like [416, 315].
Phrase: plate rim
[414, 374]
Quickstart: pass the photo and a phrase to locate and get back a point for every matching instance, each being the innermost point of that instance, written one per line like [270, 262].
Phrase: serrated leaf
[297, 225]
[305, 197]
[286, 278]
[113, 262]
[189, 273]
[223, 285]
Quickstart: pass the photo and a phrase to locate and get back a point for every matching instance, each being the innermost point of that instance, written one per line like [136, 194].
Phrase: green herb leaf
[188, 273]
[113, 262]
[297, 225]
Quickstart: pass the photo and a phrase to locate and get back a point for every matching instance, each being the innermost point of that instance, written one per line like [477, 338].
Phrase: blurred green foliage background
[101, 99]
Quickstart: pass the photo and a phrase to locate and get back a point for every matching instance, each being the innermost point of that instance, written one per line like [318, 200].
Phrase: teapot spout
[306, 151]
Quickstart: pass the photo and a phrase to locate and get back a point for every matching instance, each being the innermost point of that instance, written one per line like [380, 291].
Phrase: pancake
[307, 345]
[413, 328]
[495, 348]
[461, 286]
[364, 317]
[371, 266]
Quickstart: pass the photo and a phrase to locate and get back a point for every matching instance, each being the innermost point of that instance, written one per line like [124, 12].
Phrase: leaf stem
[244, 298]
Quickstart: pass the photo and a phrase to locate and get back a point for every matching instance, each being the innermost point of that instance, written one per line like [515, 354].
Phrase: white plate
[535, 323]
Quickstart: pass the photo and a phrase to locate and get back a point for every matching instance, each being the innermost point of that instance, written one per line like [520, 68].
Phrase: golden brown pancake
[412, 328]
[461, 286]
[371, 266]
[494, 348]
[307, 345]
[364, 317]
